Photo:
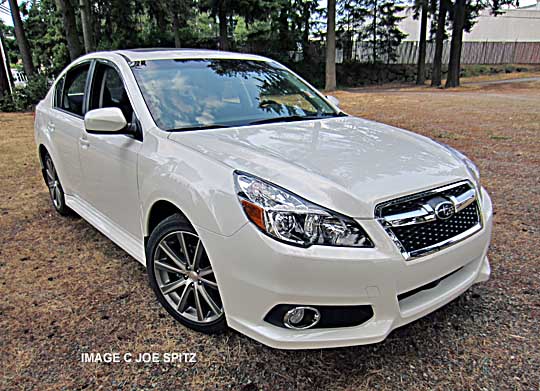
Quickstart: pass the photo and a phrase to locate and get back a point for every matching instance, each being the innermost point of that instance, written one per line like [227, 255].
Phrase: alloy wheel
[53, 183]
[185, 277]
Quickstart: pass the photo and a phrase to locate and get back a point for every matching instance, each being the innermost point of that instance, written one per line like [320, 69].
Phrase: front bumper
[256, 273]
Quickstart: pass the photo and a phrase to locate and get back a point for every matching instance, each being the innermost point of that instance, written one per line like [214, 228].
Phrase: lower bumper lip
[255, 278]
[373, 331]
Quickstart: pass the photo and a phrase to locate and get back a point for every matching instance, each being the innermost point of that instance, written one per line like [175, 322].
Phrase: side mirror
[333, 100]
[106, 120]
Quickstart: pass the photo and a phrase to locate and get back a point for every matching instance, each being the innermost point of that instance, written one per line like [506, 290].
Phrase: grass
[66, 289]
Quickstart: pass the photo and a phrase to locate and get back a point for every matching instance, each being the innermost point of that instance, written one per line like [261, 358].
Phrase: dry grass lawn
[66, 289]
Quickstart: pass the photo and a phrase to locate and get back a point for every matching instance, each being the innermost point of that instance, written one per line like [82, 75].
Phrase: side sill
[108, 228]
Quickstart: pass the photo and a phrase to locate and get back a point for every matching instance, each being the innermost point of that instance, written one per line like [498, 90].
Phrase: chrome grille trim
[461, 195]
[425, 212]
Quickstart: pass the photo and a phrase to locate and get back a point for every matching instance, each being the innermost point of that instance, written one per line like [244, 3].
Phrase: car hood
[347, 164]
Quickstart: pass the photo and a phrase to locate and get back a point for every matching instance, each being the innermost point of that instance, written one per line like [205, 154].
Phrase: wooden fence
[472, 53]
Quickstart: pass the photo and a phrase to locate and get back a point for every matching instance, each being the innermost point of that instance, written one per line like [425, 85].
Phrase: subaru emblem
[445, 210]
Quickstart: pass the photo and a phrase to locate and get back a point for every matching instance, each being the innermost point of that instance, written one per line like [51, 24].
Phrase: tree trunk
[222, 16]
[5, 88]
[421, 66]
[176, 28]
[20, 36]
[6, 59]
[305, 30]
[374, 32]
[86, 23]
[436, 71]
[96, 25]
[454, 65]
[284, 29]
[5, 72]
[70, 27]
[6, 78]
[346, 40]
[109, 24]
[331, 47]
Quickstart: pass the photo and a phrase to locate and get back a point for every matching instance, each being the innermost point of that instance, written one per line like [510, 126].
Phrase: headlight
[471, 167]
[474, 171]
[291, 219]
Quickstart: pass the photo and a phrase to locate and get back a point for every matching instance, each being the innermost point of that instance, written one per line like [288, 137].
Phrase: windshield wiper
[291, 118]
[200, 127]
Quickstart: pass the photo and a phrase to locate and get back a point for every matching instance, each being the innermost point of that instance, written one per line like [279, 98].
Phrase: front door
[109, 161]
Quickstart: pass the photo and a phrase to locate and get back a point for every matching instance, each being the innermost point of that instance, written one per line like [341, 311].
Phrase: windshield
[203, 93]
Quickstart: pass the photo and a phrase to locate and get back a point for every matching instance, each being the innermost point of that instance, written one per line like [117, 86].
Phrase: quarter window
[58, 92]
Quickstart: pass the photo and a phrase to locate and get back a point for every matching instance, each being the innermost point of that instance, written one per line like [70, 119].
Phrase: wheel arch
[159, 211]
[42, 151]
[172, 177]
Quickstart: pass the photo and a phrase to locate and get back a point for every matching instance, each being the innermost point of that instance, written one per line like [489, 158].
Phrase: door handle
[84, 143]
[50, 126]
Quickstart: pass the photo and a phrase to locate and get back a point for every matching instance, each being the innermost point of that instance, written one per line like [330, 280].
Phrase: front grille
[417, 228]
[419, 236]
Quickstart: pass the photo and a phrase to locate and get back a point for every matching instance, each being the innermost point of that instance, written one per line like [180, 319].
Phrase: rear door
[65, 125]
[109, 161]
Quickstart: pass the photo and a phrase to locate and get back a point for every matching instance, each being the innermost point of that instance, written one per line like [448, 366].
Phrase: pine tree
[440, 35]
[372, 24]
[22, 41]
[65, 7]
[350, 25]
[45, 30]
[463, 16]
[422, 8]
[301, 15]
[382, 33]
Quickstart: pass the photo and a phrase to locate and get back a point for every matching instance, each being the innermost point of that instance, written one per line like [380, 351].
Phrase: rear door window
[73, 92]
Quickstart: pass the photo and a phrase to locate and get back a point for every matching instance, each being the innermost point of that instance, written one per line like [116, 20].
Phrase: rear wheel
[182, 277]
[56, 191]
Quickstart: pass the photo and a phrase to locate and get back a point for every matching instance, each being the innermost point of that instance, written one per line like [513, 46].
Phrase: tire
[185, 286]
[56, 192]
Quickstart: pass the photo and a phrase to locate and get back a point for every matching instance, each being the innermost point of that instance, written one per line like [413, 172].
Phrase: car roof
[165, 53]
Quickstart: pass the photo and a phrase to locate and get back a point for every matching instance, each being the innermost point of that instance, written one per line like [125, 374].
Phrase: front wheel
[182, 278]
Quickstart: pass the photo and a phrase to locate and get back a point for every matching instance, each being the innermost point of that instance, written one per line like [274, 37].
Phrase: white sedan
[255, 202]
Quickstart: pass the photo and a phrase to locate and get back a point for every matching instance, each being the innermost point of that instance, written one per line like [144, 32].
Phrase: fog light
[301, 318]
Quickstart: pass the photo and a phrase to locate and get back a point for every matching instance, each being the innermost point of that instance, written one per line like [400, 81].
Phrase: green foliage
[479, 70]
[381, 33]
[11, 45]
[273, 27]
[24, 98]
[312, 71]
[372, 23]
[285, 30]
[199, 31]
[350, 25]
[44, 29]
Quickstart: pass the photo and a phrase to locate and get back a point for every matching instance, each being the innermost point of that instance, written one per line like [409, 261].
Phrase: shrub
[25, 98]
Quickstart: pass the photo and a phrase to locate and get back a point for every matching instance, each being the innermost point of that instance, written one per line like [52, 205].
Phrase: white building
[515, 25]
